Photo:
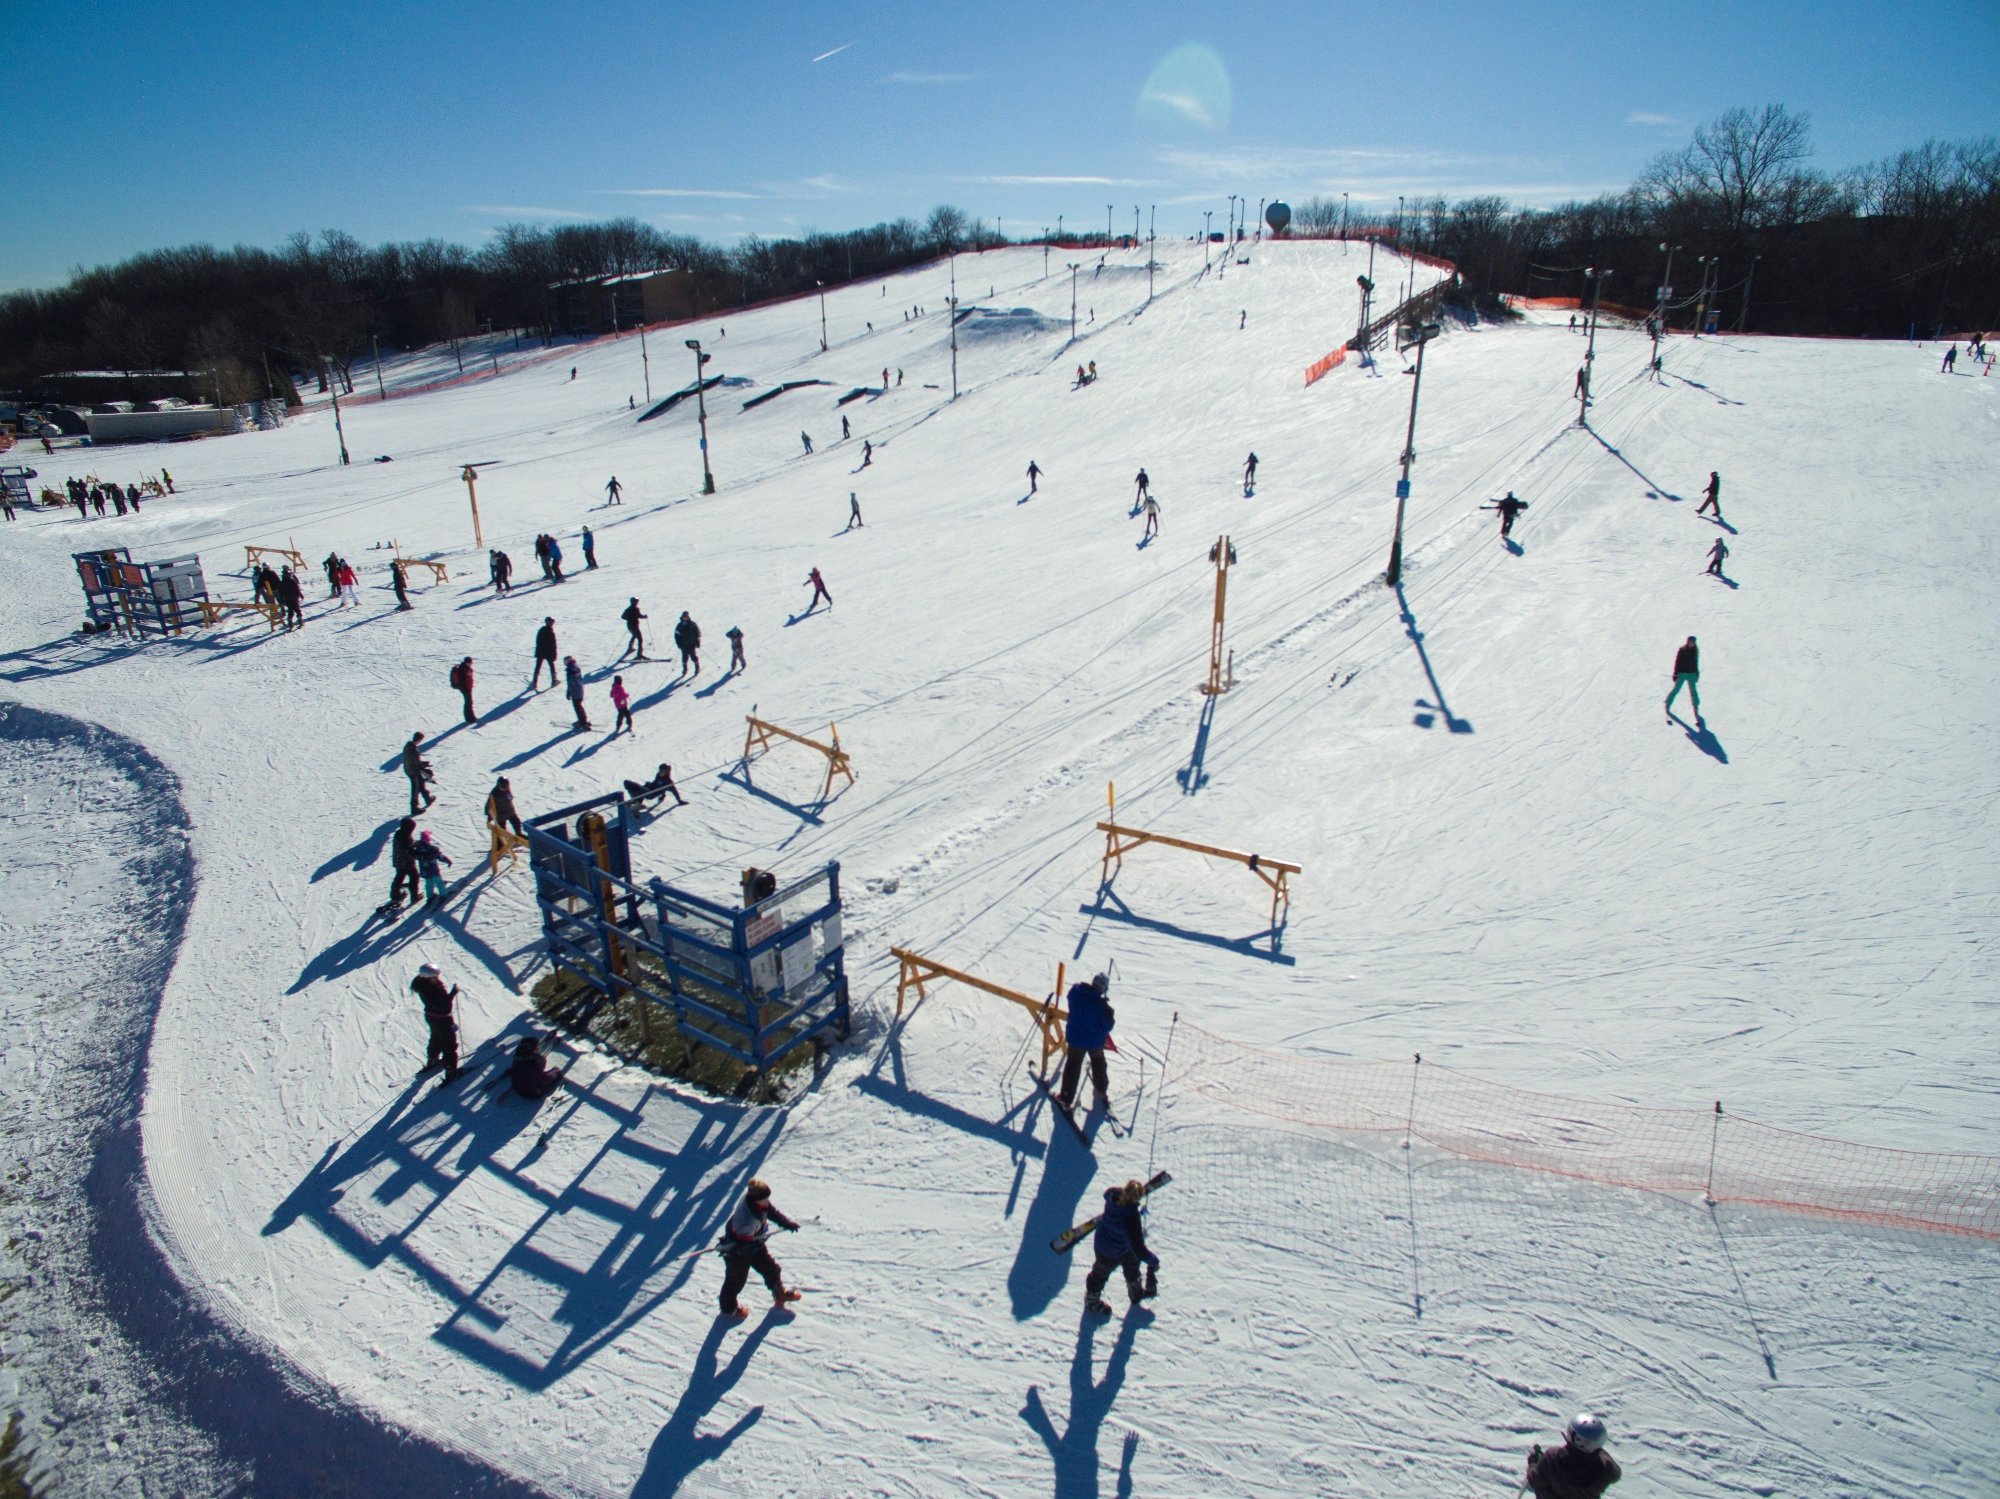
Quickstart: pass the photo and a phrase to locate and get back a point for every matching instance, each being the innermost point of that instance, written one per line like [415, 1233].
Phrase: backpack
[458, 676]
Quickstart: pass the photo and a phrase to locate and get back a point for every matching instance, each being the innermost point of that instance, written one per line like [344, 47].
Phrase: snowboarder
[348, 585]
[658, 789]
[1143, 483]
[589, 550]
[853, 511]
[844, 432]
[1715, 555]
[633, 618]
[1711, 497]
[1510, 509]
[530, 1075]
[1242, 318]
[1249, 471]
[500, 807]
[687, 636]
[573, 690]
[545, 653]
[1088, 1033]
[419, 771]
[806, 438]
[744, 1249]
[1950, 359]
[736, 661]
[1151, 507]
[403, 859]
[429, 987]
[1687, 673]
[1579, 1469]
[867, 452]
[614, 491]
[819, 590]
[621, 701]
[397, 582]
[1120, 1244]
[461, 678]
[555, 560]
[1034, 475]
[429, 857]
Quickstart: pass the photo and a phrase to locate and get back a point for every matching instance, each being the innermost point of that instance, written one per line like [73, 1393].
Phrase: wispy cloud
[673, 192]
[909, 77]
[1185, 105]
[1640, 117]
[517, 211]
[1375, 175]
[1057, 181]
[834, 53]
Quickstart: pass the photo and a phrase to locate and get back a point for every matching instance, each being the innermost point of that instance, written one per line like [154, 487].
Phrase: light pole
[470, 473]
[1045, 253]
[645, 363]
[1206, 215]
[701, 407]
[1399, 223]
[333, 385]
[1343, 219]
[1107, 224]
[375, 344]
[1424, 333]
[1058, 226]
[1744, 316]
[952, 301]
[1072, 301]
[1152, 224]
[1708, 264]
[1229, 234]
[1660, 299]
[1596, 275]
[1361, 335]
[822, 315]
[1135, 223]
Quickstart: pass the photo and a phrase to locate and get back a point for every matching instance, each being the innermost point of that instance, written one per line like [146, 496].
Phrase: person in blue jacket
[1090, 1021]
[1120, 1244]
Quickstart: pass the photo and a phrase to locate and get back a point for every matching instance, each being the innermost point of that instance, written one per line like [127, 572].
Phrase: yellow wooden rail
[1049, 1015]
[1273, 872]
[254, 555]
[213, 611]
[761, 733]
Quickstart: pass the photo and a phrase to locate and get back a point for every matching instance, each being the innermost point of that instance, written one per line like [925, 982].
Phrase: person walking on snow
[292, 597]
[501, 566]
[1715, 555]
[1687, 673]
[621, 700]
[867, 452]
[1250, 471]
[1034, 475]
[1144, 484]
[555, 560]
[573, 690]
[736, 661]
[419, 771]
[1579, 1469]
[589, 550]
[687, 637]
[461, 678]
[1711, 497]
[429, 857]
[1151, 507]
[633, 618]
[1087, 1034]
[1950, 359]
[744, 1249]
[332, 568]
[403, 859]
[819, 590]
[1120, 1244]
[545, 653]
[844, 432]
[1510, 509]
[853, 512]
[614, 491]
[348, 596]
[806, 438]
[442, 1051]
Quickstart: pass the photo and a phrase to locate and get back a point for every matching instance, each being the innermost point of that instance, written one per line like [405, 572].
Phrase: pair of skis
[1067, 1113]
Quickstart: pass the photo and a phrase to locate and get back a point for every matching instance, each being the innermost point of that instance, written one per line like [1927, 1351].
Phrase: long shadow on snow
[360, 855]
[1110, 906]
[1074, 1452]
[1654, 491]
[275, 1419]
[1702, 738]
[682, 1447]
[1427, 712]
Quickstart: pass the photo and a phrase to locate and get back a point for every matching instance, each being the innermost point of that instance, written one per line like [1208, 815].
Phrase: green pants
[1686, 679]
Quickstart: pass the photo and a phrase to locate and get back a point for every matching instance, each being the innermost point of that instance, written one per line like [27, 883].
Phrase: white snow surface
[1511, 865]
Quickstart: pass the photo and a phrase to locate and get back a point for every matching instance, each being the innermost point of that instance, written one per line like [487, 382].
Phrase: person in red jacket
[744, 1249]
[1579, 1469]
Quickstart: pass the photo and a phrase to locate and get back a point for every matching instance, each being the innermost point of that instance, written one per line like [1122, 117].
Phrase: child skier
[1579, 1469]
[1120, 1244]
[744, 1249]
[429, 857]
[736, 661]
[621, 701]
[819, 590]
[573, 690]
[1715, 555]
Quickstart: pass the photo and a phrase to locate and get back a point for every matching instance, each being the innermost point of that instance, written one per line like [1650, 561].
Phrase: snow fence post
[1714, 1129]
[1410, 1124]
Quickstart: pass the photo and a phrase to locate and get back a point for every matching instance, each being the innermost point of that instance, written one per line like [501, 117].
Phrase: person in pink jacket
[622, 701]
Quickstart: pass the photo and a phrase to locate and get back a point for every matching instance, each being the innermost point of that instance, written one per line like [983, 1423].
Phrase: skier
[867, 452]
[621, 701]
[555, 560]
[844, 432]
[500, 807]
[1572, 322]
[1088, 1033]
[293, 598]
[347, 586]
[853, 512]
[168, 480]
[687, 636]
[1715, 555]
[1510, 509]
[633, 618]
[1152, 510]
[899, 376]
[885, 377]
[429, 857]
[744, 1249]
[1242, 318]
[806, 438]
[461, 678]
[614, 491]
[1093, 372]
[1120, 1244]
[658, 789]
[397, 582]
[1687, 673]
[332, 567]
[1249, 471]
[736, 661]
[545, 652]
[819, 590]
[1711, 497]
[497, 570]
[589, 550]
[1579, 1469]
[542, 556]
[530, 1074]
[403, 859]
[1950, 359]
[1034, 475]
[429, 987]
[419, 771]
[1143, 483]
[573, 690]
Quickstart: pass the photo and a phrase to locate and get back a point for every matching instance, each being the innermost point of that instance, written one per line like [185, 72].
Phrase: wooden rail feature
[438, 573]
[761, 733]
[1274, 872]
[1049, 1015]
[504, 844]
[214, 611]
[254, 555]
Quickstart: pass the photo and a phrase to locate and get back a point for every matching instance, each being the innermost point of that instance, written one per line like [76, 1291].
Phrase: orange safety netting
[1696, 1151]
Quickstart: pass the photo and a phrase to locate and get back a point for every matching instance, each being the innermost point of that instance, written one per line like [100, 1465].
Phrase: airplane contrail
[825, 55]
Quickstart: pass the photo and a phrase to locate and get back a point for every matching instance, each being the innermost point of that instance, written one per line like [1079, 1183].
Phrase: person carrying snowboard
[1088, 1033]
[442, 1051]
[744, 1249]
[429, 857]
[1034, 475]
[819, 590]
[1687, 673]
[403, 859]
[1711, 497]
[687, 637]
[545, 652]
[573, 690]
[1510, 509]
[419, 771]
[621, 702]
[1579, 1469]
[461, 680]
[1715, 555]
[736, 661]
[637, 642]
[1120, 1244]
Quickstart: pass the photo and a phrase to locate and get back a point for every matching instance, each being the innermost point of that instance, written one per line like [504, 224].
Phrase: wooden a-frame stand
[762, 733]
[1049, 1015]
[1120, 840]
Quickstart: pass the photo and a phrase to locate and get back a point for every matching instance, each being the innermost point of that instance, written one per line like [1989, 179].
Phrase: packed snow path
[1512, 864]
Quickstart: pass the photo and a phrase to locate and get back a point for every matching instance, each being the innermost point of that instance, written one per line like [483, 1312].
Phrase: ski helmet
[1101, 983]
[1585, 1432]
[429, 971]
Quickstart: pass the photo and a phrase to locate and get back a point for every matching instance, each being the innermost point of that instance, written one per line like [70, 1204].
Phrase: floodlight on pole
[701, 408]
[1420, 335]
[333, 387]
[1343, 219]
[1072, 300]
[380, 390]
[1107, 223]
[1206, 215]
[1596, 275]
[822, 315]
[953, 301]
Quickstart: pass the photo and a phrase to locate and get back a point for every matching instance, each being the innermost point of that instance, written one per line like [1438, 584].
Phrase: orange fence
[1577, 304]
[1695, 1151]
[1320, 366]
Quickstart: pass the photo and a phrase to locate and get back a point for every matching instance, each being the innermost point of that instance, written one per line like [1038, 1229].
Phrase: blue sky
[144, 125]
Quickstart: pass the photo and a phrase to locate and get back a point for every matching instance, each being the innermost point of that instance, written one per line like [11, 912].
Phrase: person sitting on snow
[532, 1077]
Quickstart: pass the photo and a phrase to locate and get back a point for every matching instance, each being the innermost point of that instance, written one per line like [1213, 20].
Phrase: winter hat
[429, 971]
[1101, 983]
[1585, 1432]
[760, 1190]
[424, 836]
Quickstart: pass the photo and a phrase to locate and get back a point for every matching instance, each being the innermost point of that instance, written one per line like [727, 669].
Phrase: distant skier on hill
[1120, 1244]
[1950, 360]
[867, 452]
[589, 550]
[1250, 471]
[806, 438]
[1711, 497]
[1715, 555]
[853, 511]
[736, 661]
[819, 590]
[1143, 483]
[744, 1249]
[1687, 673]
[637, 641]
[615, 491]
[1579, 1469]
[1510, 510]
[1034, 475]
[1151, 507]
[845, 433]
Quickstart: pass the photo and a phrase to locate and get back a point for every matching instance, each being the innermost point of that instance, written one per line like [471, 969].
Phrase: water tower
[1278, 215]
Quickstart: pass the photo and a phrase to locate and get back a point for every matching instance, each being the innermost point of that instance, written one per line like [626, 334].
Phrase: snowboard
[1065, 1241]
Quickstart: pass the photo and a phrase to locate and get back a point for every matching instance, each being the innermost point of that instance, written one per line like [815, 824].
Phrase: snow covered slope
[1511, 864]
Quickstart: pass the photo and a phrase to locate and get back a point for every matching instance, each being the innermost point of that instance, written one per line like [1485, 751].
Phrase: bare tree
[1737, 173]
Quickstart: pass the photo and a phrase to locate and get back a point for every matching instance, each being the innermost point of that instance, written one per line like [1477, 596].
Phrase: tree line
[1910, 241]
